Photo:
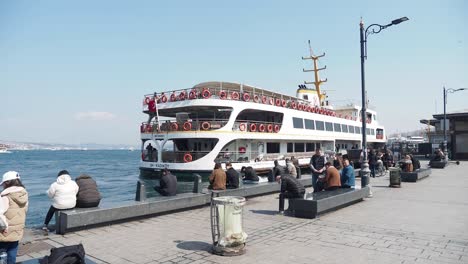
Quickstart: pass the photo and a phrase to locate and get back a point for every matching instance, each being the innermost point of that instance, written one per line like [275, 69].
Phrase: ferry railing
[182, 156]
[190, 125]
[256, 126]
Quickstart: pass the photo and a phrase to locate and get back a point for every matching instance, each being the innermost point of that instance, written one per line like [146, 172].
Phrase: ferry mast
[317, 81]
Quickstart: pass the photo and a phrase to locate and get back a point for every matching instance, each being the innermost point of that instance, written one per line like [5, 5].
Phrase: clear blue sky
[76, 71]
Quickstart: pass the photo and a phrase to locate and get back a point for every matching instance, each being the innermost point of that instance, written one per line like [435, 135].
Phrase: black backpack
[65, 255]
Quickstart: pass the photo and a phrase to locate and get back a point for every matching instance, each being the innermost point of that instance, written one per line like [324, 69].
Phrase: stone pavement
[422, 222]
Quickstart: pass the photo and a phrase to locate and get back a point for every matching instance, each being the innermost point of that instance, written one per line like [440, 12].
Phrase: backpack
[65, 255]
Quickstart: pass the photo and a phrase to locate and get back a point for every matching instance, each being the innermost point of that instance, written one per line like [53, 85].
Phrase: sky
[76, 71]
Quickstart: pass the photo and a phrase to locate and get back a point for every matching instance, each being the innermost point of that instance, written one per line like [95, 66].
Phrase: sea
[115, 171]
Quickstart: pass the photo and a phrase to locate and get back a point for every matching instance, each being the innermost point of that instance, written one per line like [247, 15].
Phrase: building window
[329, 126]
[298, 122]
[273, 147]
[337, 127]
[319, 125]
[299, 147]
[290, 148]
[344, 128]
[309, 124]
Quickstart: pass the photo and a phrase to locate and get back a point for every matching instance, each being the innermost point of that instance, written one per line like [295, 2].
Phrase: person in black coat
[249, 174]
[372, 158]
[277, 170]
[167, 184]
[232, 177]
[415, 162]
[290, 188]
[88, 194]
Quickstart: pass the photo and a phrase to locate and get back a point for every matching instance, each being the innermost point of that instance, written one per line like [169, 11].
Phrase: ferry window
[372, 132]
[379, 134]
[367, 131]
[309, 124]
[299, 147]
[273, 147]
[329, 126]
[337, 127]
[310, 147]
[319, 125]
[290, 147]
[351, 129]
[345, 128]
[356, 130]
[298, 122]
[306, 97]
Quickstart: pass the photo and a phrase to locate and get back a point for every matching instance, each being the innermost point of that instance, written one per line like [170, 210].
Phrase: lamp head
[461, 89]
[399, 20]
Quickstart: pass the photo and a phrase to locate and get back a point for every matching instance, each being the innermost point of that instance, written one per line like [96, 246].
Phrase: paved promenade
[423, 222]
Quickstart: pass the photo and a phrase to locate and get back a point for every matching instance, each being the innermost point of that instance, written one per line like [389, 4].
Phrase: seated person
[347, 175]
[415, 162]
[438, 155]
[331, 181]
[277, 170]
[249, 174]
[290, 188]
[167, 184]
[217, 178]
[232, 177]
[88, 194]
[407, 165]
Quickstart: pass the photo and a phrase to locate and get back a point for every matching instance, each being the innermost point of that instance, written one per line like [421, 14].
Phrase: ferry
[189, 130]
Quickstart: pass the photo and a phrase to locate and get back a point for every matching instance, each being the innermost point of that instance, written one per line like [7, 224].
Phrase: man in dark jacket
[372, 159]
[277, 170]
[88, 194]
[317, 165]
[290, 188]
[249, 174]
[232, 177]
[167, 184]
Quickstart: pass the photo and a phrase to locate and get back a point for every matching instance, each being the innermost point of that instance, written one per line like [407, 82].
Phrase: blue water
[115, 171]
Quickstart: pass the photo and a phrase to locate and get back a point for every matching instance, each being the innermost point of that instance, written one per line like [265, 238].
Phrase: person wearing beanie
[14, 200]
[63, 194]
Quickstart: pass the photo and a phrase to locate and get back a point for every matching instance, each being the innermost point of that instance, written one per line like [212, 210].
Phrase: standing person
[317, 164]
[149, 152]
[331, 181]
[249, 174]
[14, 199]
[290, 188]
[387, 159]
[88, 193]
[63, 194]
[167, 184]
[232, 177]
[291, 168]
[296, 164]
[338, 162]
[277, 170]
[347, 175]
[372, 159]
[218, 178]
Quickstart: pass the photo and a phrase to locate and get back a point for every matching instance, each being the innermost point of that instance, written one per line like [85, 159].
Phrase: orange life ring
[253, 127]
[264, 99]
[147, 100]
[242, 150]
[187, 126]
[277, 128]
[193, 94]
[182, 95]
[222, 95]
[173, 97]
[270, 128]
[278, 102]
[187, 157]
[283, 103]
[174, 126]
[206, 93]
[242, 127]
[235, 96]
[149, 128]
[293, 105]
[300, 107]
[164, 98]
[261, 128]
[205, 125]
[256, 98]
[272, 101]
[246, 97]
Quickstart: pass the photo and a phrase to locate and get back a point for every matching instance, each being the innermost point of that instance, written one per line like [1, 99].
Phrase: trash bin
[395, 177]
[226, 225]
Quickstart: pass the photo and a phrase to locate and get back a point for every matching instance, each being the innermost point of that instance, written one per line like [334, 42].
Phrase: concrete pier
[421, 222]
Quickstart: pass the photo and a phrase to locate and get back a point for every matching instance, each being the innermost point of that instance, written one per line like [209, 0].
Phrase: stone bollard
[299, 173]
[140, 192]
[197, 183]
[241, 183]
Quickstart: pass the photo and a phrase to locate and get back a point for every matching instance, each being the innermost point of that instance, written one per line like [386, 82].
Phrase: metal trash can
[226, 225]
[395, 177]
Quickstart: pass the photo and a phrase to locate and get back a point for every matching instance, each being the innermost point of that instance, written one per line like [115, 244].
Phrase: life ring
[188, 157]
[261, 128]
[174, 126]
[283, 103]
[173, 97]
[293, 105]
[346, 117]
[246, 97]
[187, 126]
[242, 126]
[235, 96]
[222, 95]
[300, 107]
[193, 94]
[270, 128]
[182, 95]
[147, 100]
[142, 128]
[149, 128]
[253, 127]
[205, 125]
[278, 102]
[164, 98]
[264, 99]
[206, 93]
[272, 101]
[317, 110]
[242, 150]
[256, 98]
[312, 109]
[277, 128]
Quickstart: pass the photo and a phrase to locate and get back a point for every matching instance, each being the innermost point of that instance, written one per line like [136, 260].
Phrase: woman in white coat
[63, 194]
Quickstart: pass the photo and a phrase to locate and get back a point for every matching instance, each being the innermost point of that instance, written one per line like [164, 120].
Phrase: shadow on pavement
[265, 212]
[194, 245]
[380, 186]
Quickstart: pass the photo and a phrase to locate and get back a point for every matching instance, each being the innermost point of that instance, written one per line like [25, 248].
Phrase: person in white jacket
[63, 194]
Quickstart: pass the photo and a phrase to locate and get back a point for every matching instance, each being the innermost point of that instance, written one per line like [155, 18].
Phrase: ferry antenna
[317, 81]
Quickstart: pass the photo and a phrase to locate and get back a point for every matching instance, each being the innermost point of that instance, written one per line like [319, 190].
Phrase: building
[457, 133]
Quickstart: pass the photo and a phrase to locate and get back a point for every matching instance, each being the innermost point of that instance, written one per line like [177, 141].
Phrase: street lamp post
[446, 91]
[372, 29]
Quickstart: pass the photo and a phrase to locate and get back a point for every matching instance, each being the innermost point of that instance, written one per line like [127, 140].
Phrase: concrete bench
[255, 189]
[415, 175]
[326, 201]
[438, 164]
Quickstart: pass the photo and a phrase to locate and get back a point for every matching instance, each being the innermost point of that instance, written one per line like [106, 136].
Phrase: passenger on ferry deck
[331, 181]
[291, 168]
[249, 174]
[317, 164]
[217, 178]
[347, 175]
[277, 170]
[150, 152]
[232, 177]
[290, 188]
[167, 184]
